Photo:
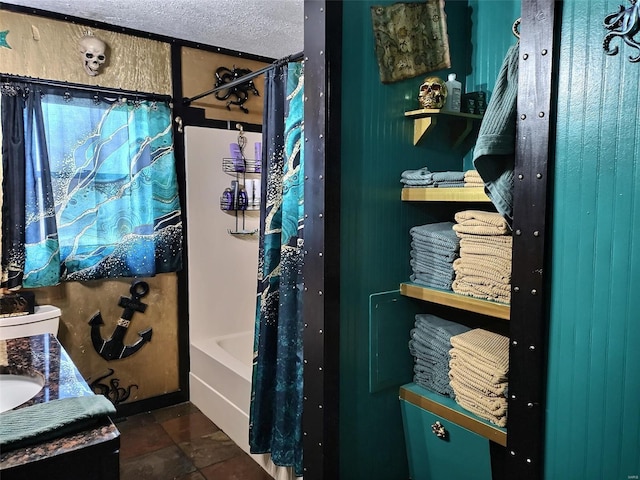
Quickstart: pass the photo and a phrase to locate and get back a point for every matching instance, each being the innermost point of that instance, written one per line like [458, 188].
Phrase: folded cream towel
[499, 265]
[470, 377]
[473, 268]
[496, 404]
[471, 403]
[483, 249]
[484, 281]
[482, 288]
[473, 179]
[487, 372]
[472, 175]
[488, 347]
[496, 241]
[459, 285]
[477, 229]
[478, 222]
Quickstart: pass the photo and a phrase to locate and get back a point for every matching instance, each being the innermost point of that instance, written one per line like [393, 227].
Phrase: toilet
[45, 319]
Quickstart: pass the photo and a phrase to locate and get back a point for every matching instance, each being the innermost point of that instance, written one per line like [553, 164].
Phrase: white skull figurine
[433, 93]
[92, 50]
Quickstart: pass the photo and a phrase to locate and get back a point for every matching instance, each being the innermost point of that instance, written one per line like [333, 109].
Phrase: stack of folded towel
[484, 267]
[478, 372]
[424, 178]
[430, 344]
[473, 179]
[434, 247]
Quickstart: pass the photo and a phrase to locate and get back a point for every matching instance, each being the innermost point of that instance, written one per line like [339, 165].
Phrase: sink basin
[17, 389]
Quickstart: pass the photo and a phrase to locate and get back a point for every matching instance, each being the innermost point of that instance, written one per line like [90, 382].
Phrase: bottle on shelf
[454, 94]
[226, 203]
[258, 157]
[242, 199]
[257, 184]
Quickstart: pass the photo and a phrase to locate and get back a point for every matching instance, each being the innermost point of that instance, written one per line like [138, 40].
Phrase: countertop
[43, 355]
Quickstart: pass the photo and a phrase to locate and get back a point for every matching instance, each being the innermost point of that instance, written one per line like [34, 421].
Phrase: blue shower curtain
[276, 397]
[90, 188]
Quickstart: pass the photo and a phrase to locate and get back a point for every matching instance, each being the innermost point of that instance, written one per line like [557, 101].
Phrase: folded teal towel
[431, 280]
[439, 327]
[447, 185]
[440, 233]
[45, 421]
[450, 176]
[423, 177]
[422, 174]
[426, 263]
[425, 249]
[430, 344]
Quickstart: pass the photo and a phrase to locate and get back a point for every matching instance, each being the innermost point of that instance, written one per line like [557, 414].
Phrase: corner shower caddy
[239, 167]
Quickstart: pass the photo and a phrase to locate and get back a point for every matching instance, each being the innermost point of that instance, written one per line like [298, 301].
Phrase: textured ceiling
[270, 28]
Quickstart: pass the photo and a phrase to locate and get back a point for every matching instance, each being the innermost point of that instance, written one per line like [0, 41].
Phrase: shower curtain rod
[85, 88]
[291, 58]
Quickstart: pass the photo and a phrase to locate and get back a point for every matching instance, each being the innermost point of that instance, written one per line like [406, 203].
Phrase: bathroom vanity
[89, 452]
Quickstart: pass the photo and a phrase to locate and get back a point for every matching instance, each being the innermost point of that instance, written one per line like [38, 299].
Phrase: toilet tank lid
[41, 313]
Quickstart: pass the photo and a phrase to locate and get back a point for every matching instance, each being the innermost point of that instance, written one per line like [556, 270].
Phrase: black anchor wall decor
[114, 347]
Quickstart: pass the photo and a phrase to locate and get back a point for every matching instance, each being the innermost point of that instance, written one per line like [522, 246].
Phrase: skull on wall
[93, 54]
[433, 93]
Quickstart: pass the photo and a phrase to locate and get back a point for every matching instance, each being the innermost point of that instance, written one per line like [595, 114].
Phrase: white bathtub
[220, 386]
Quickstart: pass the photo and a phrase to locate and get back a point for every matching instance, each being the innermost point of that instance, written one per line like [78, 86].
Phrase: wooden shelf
[462, 194]
[448, 409]
[455, 300]
[425, 119]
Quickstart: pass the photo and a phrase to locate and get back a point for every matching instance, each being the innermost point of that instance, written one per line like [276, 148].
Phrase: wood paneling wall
[199, 76]
[45, 48]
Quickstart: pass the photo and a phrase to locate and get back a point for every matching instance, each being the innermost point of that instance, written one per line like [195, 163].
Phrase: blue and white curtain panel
[90, 188]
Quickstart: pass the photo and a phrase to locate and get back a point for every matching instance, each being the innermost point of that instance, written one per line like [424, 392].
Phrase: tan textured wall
[48, 49]
[153, 368]
[199, 76]
[45, 48]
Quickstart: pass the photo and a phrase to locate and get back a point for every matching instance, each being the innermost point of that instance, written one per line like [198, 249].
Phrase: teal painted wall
[593, 416]
[376, 148]
[593, 393]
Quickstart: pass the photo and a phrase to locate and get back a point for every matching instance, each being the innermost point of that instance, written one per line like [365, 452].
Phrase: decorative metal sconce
[240, 91]
[624, 24]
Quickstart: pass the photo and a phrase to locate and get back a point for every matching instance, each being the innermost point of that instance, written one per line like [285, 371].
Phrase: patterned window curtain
[101, 195]
[13, 187]
[276, 398]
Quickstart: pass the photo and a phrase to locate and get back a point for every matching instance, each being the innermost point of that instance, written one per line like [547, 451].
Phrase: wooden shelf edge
[462, 194]
[426, 118]
[429, 112]
[465, 420]
[451, 299]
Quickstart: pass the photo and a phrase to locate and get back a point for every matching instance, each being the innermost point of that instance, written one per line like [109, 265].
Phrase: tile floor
[181, 443]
